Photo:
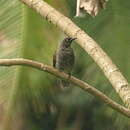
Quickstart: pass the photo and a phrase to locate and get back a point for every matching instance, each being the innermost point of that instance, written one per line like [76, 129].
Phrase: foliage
[32, 98]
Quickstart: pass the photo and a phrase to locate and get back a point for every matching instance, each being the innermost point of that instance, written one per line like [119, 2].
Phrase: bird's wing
[54, 59]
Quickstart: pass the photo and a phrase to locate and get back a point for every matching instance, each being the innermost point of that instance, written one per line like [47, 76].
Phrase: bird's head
[67, 41]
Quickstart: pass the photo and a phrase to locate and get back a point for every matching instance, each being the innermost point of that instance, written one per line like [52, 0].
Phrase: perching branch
[81, 84]
[110, 70]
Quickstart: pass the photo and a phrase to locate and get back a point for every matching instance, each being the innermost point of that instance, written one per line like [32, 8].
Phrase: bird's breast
[65, 59]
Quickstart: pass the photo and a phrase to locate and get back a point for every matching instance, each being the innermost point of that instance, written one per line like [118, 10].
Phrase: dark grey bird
[64, 58]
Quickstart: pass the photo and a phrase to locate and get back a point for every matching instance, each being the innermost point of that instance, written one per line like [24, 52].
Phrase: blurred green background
[30, 99]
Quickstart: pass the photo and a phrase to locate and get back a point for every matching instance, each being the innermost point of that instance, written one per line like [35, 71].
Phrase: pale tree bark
[110, 70]
[81, 84]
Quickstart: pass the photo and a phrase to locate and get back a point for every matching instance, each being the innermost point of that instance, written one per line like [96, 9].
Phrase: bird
[64, 58]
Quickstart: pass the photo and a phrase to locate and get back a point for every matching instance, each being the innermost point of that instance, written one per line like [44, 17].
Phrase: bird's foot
[69, 76]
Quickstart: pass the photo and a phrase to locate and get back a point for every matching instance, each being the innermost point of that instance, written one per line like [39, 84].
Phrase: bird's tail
[64, 83]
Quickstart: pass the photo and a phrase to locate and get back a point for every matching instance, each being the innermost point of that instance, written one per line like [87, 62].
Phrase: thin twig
[81, 84]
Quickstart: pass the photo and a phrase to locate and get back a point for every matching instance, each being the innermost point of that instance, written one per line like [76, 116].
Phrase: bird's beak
[72, 39]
